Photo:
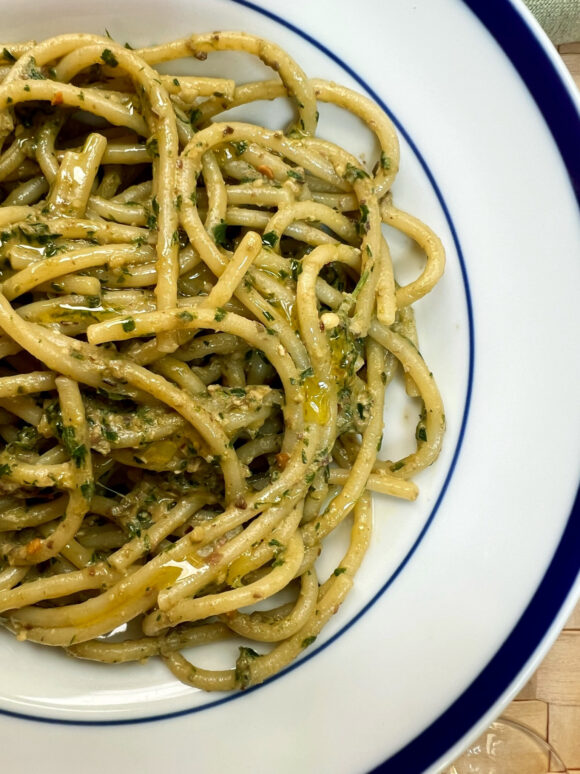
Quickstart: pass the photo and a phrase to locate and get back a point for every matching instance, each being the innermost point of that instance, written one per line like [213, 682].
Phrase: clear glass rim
[555, 761]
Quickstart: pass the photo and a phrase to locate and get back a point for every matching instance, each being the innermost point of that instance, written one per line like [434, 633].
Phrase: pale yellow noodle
[199, 318]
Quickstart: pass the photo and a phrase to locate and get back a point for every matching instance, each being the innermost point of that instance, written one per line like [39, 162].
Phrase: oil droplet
[316, 401]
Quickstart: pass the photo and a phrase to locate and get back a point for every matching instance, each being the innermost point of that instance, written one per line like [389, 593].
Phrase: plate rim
[524, 44]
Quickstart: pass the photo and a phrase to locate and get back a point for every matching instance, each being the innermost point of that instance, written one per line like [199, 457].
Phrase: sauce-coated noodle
[198, 323]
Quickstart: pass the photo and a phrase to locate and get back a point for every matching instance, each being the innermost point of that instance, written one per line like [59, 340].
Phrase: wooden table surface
[550, 702]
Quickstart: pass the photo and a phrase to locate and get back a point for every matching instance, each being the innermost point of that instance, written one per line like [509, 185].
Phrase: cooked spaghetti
[199, 321]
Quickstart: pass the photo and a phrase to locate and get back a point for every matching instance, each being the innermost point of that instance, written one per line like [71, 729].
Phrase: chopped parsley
[421, 433]
[354, 173]
[219, 314]
[362, 225]
[128, 325]
[152, 147]
[270, 239]
[360, 284]
[295, 268]
[78, 454]
[52, 249]
[109, 58]
[194, 116]
[34, 72]
[142, 520]
[243, 670]
[295, 175]
[110, 434]
[87, 490]
[385, 161]
[240, 147]
[219, 234]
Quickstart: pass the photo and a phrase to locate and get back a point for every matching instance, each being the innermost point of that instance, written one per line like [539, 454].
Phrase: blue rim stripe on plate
[237, 696]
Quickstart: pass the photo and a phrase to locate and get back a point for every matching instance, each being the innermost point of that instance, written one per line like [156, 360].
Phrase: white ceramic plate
[462, 592]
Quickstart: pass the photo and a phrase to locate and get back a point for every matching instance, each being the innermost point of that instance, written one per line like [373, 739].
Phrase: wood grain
[564, 731]
[570, 53]
[558, 678]
[574, 620]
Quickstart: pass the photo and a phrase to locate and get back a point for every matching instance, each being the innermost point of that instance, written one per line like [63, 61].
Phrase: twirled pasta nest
[199, 323]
